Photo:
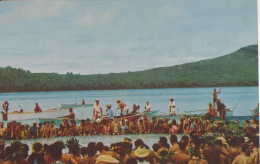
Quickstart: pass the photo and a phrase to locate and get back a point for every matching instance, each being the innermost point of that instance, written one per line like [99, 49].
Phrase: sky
[91, 37]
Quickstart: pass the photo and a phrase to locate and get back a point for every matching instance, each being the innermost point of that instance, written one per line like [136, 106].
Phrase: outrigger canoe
[50, 113]
[75, 105]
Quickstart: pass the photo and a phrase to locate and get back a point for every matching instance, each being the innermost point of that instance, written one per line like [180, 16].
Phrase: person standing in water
[215, 96]
[172, 110]
[5, 108]
[97, 110]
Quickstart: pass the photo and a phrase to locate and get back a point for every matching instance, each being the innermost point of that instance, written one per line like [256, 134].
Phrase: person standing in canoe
[110, 112]
[97, 110]
[71, 115]
[215, 96]
[147, 107]
[172, 107]
[37, 108]
[5, 107]
[123, 107]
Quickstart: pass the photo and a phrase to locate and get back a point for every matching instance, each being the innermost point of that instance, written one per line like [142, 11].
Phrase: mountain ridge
[239, 68]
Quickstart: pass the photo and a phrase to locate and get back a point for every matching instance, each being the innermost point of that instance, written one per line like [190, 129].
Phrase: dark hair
[182, 145]
[25, 149]
[163, 141]
[100, 146]
[139, 142]
[131, 161]
[83, 151]
[245, 148]
[174, 122]
[55, 150]
[92, 149]
[185, 137]
[173, 138]
[156, 147]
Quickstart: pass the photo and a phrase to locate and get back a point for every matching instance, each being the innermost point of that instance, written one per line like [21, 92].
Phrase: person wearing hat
[110, 111]
[97, 110]
[5, 107]
[106, 159]
[141, 153]
[123, 107]
[172, 107]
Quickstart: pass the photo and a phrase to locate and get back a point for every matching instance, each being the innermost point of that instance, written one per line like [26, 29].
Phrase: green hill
[239, 68]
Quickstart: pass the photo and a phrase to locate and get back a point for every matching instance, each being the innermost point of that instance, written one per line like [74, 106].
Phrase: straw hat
[108, 105]
[103, 159]
[118, 100]
[171, 99]
[96, 99]
[141, 152]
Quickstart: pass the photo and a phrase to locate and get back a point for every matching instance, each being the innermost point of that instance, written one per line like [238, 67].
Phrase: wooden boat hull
[75, 105]
[51, 113]
[57, 121]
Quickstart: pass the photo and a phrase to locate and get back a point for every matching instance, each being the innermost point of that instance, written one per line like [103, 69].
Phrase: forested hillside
[239, 68]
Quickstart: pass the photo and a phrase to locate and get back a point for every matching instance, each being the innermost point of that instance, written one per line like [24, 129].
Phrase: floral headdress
[195, 152]
[37, 147]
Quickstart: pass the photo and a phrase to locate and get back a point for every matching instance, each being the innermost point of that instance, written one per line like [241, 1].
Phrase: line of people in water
[208, 142]
[16, 130]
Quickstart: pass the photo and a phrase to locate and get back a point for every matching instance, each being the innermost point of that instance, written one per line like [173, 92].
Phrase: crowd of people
[207, 141]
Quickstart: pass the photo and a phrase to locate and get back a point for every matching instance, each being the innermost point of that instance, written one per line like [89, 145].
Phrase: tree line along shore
[239, 68]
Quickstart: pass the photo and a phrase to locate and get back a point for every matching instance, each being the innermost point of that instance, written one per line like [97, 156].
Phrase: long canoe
[75, 105]
[50, 113]
[57, 121]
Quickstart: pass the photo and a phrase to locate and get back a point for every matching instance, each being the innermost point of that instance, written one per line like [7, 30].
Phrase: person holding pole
[215, 95]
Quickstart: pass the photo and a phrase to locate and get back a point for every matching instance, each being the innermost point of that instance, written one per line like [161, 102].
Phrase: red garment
[72, 116]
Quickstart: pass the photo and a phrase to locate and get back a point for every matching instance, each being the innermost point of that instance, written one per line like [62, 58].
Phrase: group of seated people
[16, 130]
[192, 149]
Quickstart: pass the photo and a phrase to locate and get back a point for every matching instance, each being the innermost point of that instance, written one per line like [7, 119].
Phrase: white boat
[75, 105]
[50, 113]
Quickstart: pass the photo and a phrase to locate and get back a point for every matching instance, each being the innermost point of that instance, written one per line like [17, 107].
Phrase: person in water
[71, 115]
[215, 95]
[5, 107]
[83, 102]
[97, 110]
[172, 110]
[37, 108]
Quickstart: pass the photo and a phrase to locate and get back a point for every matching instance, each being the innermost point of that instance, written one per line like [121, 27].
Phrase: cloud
[93, 19]
[30, 11]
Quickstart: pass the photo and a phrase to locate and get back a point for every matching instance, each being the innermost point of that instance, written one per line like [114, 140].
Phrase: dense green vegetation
[239, 68]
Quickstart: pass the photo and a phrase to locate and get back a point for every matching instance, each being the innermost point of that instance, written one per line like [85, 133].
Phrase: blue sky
[118, 36]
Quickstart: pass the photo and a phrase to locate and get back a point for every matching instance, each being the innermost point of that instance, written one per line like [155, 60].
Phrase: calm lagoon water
[187, 99]
[241, 98]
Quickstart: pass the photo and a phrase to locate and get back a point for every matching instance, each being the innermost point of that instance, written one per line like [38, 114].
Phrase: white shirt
[147, 107]
[97, 108]
[172, 104]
